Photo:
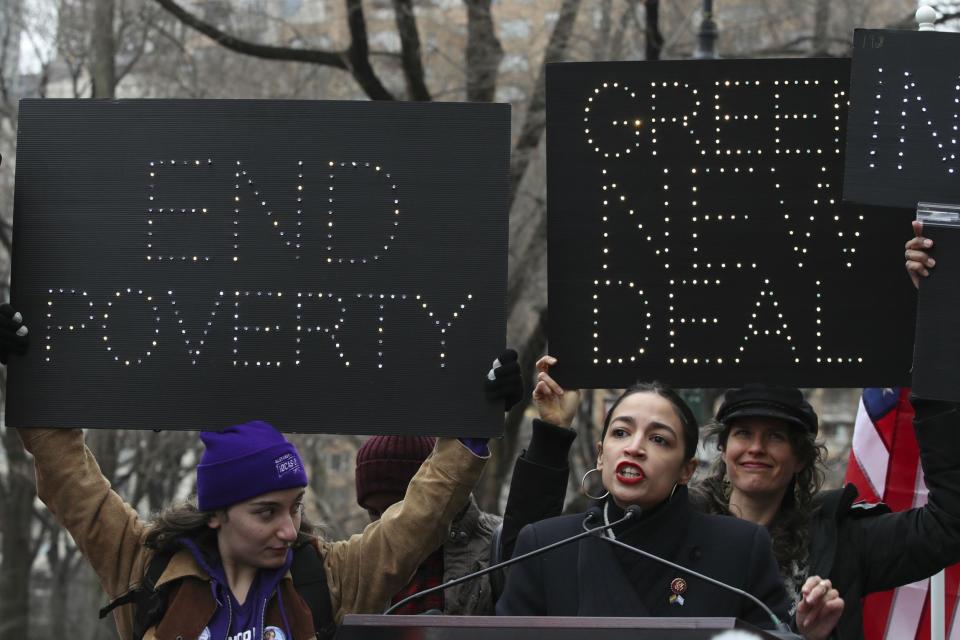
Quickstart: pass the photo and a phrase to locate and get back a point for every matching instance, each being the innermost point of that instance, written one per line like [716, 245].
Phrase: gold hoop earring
[584, 489]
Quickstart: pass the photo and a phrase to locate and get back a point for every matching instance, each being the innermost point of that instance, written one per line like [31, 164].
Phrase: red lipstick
[630, 473]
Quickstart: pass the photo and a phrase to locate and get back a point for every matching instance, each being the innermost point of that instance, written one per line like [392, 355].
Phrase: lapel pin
[678, 586]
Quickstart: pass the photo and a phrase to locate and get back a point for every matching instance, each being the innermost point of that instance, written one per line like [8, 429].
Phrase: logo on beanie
[287, 463]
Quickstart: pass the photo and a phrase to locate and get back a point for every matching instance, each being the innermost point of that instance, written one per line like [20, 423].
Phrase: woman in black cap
[769, 470]
[770, 473]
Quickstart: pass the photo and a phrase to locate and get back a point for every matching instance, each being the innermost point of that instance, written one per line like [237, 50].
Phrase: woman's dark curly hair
[790, 529]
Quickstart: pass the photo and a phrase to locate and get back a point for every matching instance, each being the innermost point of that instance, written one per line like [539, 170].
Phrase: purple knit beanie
[388, 463]
[245, 461]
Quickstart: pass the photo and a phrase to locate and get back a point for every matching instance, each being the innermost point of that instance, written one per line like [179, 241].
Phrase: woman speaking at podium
[645, 458]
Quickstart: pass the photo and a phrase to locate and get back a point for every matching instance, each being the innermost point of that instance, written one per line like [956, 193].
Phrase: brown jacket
[362, 572]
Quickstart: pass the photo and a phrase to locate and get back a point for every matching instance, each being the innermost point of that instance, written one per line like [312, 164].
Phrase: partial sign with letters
[902, 140]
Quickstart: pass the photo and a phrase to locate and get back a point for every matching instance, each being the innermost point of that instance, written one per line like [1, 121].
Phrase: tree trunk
[526, 278]
[103, 68]
[536, 121]
[601, 44]
[821, 23]
[654, 37]
[16, 558]
[484, 52]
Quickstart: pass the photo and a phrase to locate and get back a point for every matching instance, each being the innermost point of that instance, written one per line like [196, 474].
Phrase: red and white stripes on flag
[885, 466]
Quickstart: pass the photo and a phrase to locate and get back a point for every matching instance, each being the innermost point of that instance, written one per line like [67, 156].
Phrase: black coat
[594, 578]
[862, 549]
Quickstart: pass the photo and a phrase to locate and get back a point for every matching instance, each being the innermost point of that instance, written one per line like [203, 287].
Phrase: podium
[369, 627]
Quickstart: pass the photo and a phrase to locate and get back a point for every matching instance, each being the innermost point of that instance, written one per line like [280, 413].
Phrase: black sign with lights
[326, 266]
[697, 234]
[902, 139]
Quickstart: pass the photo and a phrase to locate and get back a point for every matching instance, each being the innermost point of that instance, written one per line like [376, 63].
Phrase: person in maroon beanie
[385, 466]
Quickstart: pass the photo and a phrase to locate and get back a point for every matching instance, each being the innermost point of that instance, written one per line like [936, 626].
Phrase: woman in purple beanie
[221, 567]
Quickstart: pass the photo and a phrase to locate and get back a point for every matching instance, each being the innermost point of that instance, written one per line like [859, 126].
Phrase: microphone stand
[631, 513]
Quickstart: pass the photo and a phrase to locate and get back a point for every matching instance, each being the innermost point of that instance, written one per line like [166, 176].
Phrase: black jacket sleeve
[764, 583]
[899, 548]
[539, 483]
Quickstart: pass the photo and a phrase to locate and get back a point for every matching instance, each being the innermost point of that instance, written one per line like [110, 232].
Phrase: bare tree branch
[354, 59]
[601, 42]
[909, 21]
[947, 17]
[73, 44]
[535, 121]
[44, 65]
[358, 54]
[6, 235]
[140, 46]
[616, 42]
[484, 52]
[795, 46]
[335, 59]
[410, 56]
[8, 23]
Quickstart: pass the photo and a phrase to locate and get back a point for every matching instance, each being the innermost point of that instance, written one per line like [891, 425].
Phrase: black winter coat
[866, 549]
[594, 578]
[862, 549]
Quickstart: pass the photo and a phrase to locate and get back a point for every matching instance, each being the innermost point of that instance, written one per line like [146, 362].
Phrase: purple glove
[477, 446]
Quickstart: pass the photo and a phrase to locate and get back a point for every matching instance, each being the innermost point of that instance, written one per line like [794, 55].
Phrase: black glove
[504, 381]
[13, 333]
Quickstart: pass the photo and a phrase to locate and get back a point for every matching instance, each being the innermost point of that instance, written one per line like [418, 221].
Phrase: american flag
[885, 466]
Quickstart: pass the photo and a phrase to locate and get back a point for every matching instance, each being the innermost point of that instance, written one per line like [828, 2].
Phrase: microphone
[592, 514]
[782, 629]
